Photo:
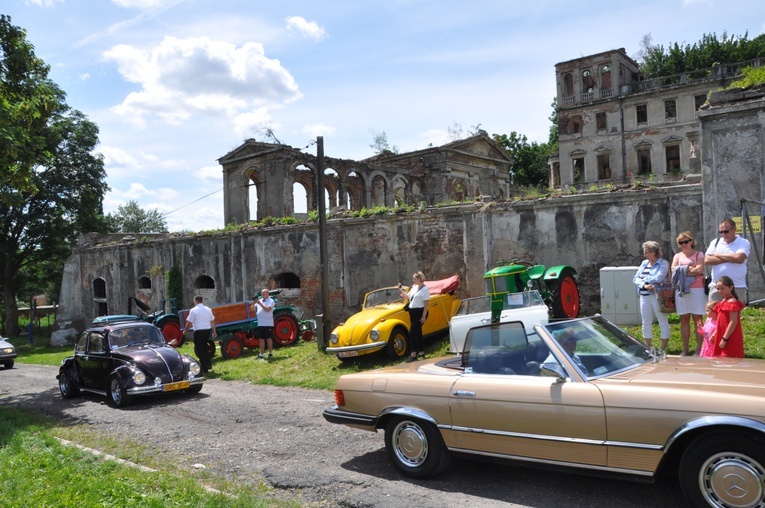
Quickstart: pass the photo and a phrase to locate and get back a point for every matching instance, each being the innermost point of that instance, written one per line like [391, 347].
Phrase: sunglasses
[683, 242]
[724, 231]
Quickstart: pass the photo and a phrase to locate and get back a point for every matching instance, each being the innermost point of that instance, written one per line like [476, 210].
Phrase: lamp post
[327, 312]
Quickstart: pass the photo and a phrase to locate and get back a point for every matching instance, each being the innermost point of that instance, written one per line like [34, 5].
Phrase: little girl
[708, 331]
[729, 338]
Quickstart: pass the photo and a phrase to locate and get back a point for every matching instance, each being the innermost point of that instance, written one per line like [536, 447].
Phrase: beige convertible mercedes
[581, 394]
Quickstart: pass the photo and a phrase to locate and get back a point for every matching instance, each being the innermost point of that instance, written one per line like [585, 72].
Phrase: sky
[174, 85]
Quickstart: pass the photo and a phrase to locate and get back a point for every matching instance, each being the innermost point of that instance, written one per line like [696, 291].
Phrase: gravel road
[253, 432]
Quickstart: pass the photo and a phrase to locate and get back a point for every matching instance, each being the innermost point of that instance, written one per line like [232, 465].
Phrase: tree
[131, 218]
[55, 181]
[27, 101]
[529, 159]
[380, 144]
[711, 50]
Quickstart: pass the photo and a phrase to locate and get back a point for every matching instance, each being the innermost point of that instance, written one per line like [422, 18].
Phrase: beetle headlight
[194, 369]
[333, 338]
[139, 377]
[375, 334]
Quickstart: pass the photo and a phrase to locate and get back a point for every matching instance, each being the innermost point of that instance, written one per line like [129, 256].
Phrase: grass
[304, 366]
[37, 470]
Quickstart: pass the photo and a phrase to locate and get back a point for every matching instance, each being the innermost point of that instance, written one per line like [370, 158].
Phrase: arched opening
[144, 282]
[568, 85]
[300, 197]
[99, 297]
[204, 282]
[379, 187]
[287, 280]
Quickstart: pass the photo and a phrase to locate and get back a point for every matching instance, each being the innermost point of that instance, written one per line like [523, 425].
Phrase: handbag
[708, 279]
[665, 294]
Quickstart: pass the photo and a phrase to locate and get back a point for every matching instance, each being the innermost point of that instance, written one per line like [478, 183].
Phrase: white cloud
[139, 4]
[180, 78]
[43, 3]
[318, 129]
[212, 174]
[307, 29]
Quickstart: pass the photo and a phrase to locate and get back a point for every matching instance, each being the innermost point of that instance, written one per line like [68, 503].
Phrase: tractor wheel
[565, 296]
[231, 347]
[398, 343]
[171, 330]
[285, 330]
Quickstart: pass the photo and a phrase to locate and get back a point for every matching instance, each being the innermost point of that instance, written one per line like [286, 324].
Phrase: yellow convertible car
[383, 323]
[579, 394]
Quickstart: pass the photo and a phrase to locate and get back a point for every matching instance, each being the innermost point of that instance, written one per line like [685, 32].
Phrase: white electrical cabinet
[619, 300]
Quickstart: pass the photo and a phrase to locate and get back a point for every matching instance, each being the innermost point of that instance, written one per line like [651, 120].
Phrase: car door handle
[485, 320]
[463, 393]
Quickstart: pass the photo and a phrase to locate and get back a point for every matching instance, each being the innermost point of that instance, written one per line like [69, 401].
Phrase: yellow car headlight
[375, 334]
[333, 338]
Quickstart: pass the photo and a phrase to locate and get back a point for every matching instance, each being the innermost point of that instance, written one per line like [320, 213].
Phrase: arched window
[287, 280]
[204, 282]
[144, 282]
[99, 288]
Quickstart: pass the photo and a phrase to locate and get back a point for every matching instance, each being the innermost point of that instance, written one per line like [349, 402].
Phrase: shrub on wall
[175, 286]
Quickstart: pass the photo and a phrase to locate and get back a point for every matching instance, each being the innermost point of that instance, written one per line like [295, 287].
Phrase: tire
[415, 447]
[67, 385]
[565, 296]
[171, 330]
[231, 347]
[117, 394]
[724, 470]
[8, 364]
[286, 330]
[398, 343]
[193, 390]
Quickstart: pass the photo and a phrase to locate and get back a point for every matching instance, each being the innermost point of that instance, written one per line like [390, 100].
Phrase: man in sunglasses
[727, 256]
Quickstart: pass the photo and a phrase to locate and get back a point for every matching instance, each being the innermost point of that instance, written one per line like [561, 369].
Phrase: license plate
[180, 385]
[347, 354]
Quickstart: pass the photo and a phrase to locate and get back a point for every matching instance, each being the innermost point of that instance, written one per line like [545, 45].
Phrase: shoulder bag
[666, 295]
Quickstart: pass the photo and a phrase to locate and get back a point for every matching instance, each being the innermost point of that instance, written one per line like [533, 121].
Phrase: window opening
[644, 161]
[672, 153]
[642, 113]
[670, 109]
[600, 122]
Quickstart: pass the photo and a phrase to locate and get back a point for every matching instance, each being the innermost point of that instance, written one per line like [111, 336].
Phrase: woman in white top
[418, 300]
[652, 271]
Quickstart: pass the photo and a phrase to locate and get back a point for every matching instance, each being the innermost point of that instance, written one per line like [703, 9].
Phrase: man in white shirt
[202, 320]
[264, 308]
[727, 256]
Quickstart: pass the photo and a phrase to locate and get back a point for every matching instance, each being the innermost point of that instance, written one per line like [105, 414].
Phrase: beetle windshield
[137, 336]
[382, 297]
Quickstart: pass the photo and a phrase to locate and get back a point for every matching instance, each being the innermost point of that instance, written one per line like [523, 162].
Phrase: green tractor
[556, 285]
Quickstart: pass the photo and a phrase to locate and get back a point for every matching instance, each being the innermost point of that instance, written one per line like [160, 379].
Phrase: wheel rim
[172, 332]
[732, 480]
[232, 348]
[410, 444]
[399, 344]
[569, 297]
[63, 384]
[116, 391]
[285, 331]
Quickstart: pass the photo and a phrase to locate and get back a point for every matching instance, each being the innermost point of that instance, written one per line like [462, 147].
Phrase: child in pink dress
[708, 331]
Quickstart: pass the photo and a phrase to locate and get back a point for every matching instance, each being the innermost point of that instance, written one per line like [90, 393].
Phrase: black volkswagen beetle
[126, 359]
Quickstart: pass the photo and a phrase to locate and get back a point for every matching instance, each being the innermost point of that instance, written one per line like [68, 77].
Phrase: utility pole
[323, 255]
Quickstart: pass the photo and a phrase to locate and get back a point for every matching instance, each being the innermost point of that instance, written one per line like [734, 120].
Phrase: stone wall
[587, 231]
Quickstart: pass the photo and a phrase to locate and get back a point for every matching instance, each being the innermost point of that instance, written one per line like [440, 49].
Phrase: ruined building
[464, 169]
[614, 125]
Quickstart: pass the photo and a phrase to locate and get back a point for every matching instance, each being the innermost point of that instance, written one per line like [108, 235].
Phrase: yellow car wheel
[398, 344]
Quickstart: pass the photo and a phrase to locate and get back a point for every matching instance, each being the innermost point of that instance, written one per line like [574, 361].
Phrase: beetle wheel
[118, 396]
[398, 343]
[231, 347]
[724, 470]
[415, 447]
[285, 330]
[67, 385]
[565, 296]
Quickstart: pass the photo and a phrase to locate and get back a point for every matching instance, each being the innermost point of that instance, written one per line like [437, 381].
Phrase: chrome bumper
[137, 390]
[363, 347]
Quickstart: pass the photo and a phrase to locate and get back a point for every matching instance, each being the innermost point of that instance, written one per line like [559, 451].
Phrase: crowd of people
[718, 297]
